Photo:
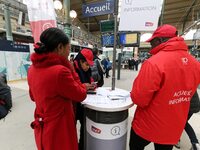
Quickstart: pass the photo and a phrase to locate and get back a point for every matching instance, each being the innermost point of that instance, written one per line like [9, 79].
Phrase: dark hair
[79, 57]
[50, 39]
[95, 51]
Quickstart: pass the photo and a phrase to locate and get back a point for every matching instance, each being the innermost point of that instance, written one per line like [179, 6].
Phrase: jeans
[138, 143]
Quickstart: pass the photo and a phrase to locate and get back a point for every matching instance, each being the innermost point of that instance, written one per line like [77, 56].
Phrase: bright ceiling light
[57, 4]
[73, 14]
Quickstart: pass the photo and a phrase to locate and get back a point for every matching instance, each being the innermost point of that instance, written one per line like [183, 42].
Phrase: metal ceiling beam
[188, 12]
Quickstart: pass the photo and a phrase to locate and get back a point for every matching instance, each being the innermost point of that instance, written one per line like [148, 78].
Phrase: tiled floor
[16, 134]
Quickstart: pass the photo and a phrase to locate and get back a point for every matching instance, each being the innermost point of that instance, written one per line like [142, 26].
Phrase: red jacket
[53, 86]
[162, 92]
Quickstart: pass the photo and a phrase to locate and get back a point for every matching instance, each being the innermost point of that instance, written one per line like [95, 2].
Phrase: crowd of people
[162, 91]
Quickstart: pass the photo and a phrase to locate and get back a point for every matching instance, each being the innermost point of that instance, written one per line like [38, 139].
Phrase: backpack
[97, 73]
[5, 98]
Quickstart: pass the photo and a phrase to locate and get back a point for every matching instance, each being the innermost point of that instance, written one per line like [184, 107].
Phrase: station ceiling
[180, 13]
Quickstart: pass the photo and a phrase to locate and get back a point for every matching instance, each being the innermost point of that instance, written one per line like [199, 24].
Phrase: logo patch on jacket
[184, 61]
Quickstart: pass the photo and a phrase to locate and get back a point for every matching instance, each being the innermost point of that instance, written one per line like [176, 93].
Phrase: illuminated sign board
[129, 38]
[107, 26]
[107, 40]
[99, 8]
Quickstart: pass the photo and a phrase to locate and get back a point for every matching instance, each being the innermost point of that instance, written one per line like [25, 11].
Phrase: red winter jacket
[162, 92]
[53, 86]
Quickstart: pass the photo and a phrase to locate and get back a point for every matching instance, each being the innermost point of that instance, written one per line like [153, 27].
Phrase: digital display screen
[107, 40]
[128, 38]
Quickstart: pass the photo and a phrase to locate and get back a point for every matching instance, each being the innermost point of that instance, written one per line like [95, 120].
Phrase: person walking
[136, 63]
[194, 108]
[53, 86]
[162, 91]
[82, 63]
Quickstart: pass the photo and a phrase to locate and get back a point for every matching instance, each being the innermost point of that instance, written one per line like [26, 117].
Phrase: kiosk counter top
[108, 100]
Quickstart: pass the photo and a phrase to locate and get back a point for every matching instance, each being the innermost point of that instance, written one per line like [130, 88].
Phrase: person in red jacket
[82, 63]
[53, 86]
[162, 91]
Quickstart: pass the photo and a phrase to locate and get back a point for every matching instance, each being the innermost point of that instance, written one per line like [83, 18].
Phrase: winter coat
[85, 77]
[195, 103]
[162, 92]
[53, 86]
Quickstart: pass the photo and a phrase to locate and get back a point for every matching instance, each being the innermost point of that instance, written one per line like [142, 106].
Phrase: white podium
[106, 119]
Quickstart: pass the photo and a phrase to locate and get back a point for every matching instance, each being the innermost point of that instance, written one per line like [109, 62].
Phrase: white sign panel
[140, 15]
[106, 131]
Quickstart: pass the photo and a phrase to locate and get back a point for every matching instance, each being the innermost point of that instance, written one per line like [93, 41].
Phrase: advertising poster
[14, 59]
[2, 63]
[17, 65]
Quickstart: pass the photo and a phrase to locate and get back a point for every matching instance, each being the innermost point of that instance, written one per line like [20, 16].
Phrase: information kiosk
[106, 113]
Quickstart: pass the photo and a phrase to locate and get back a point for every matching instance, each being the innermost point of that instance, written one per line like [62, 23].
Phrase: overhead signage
[99, 8]
[107, 26]
[107, 40]
[13, 47]
[140, 15]
[129, 39]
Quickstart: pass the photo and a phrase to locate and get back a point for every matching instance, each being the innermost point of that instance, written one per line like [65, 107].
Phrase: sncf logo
[95, 130]
[184, 61]
[148, 24]
[47, 25]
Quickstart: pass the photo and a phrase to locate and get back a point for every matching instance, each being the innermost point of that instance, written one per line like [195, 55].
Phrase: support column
[67, 19]
[136, 51]
[8, 23]
[115, 44]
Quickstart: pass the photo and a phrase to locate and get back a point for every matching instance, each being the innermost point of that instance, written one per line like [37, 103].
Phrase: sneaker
[195, 146]
[178, 145]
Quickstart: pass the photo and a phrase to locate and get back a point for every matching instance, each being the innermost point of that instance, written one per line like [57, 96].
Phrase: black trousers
[189, 130]
[138, 143]
[80, 117]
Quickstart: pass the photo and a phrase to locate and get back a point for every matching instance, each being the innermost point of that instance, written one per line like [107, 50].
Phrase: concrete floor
[15, 131]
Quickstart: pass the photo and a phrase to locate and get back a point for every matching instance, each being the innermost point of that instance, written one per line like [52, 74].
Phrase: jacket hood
[173, 44]
[49, 59]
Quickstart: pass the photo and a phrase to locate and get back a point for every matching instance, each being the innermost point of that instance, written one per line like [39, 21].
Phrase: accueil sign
[140, 15]
[100, 8]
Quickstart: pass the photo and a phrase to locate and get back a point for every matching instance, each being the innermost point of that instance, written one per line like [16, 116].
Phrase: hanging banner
[140, 15]
[41, 16]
